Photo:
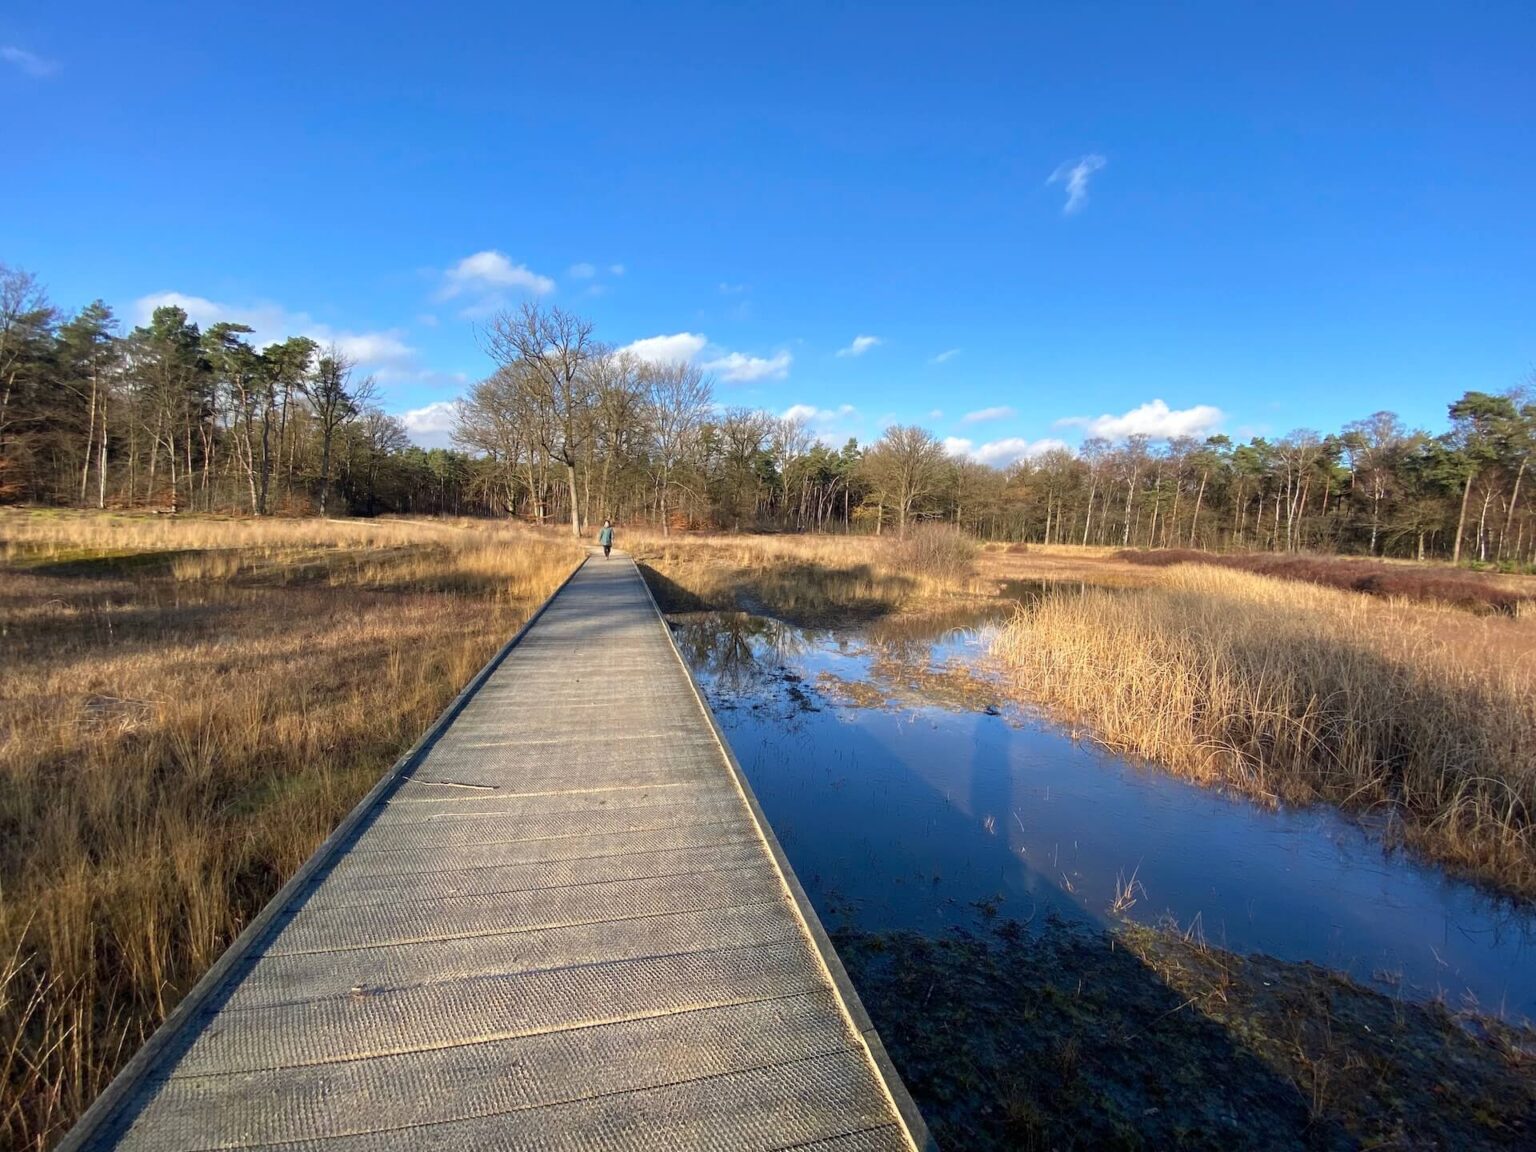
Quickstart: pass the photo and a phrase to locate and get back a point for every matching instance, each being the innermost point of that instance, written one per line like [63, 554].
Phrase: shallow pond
[909, 795]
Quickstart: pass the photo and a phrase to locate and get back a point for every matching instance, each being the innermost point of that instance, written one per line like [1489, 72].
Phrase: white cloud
[936, 414]
[1075, 174]
[945, 356]
[582, 271]
[431, 426]
[427, 320]
[681, 346]
[732, 367]
[1001, 453]
[616, 269]
[369, 347]
[384, 351]
[1154, 419]
[860, 345]
[982, 415]
[737, 368]
[728, 289]
[490, 270]
[28, 63]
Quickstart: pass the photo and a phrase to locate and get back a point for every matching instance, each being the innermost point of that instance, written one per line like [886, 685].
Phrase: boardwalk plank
[562, 926]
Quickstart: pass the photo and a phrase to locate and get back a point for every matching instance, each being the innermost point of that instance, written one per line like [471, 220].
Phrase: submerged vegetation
[186, 709]
[1416, 715]
[1139, 1038]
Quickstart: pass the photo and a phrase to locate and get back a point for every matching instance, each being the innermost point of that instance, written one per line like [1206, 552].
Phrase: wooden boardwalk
[560, 923]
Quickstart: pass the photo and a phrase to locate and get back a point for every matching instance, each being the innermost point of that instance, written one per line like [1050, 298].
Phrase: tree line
[170, 417]
[567, 429]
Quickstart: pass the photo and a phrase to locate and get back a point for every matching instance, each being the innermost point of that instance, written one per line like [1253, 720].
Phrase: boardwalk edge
[103, 1110]
[911, 1117]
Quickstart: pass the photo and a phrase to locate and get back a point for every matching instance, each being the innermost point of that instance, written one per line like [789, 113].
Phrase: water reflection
[909, 796]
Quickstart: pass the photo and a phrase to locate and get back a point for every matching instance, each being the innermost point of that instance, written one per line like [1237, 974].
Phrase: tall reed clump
[1295, 693]
[186, 710]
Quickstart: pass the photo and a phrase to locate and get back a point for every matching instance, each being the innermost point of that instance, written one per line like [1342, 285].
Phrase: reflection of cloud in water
[909, 814]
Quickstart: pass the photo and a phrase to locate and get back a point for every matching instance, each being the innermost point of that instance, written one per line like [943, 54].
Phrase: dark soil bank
[1140, 1039]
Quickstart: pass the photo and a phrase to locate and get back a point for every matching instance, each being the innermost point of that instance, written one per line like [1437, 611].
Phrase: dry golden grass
[186, 709]
[804, 579]
[1415, 713]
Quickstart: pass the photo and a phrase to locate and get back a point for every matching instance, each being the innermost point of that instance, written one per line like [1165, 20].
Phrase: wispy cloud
[694, 347]
[488, 273]
[615, 269]
[28, 63]
[383, 351]
[860, 345]
[728, 289]
[582, 271]
[1154, 419]
[1001, 453]
[946, 356]
[812, 413]
[1002, 412]
[831, 426]
[1075, 174]
[737, 368]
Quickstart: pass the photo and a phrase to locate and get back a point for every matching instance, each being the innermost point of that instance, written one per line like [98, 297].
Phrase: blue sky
[1179, 217]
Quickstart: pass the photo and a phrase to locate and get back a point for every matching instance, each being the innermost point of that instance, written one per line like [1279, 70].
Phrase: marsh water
[909, 794]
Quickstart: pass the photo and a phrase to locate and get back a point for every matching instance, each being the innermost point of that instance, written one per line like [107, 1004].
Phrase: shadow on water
[965, 857]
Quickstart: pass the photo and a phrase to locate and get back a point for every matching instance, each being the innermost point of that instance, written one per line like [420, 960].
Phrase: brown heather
[1440, 583]
[187, 707]
[1414, 714]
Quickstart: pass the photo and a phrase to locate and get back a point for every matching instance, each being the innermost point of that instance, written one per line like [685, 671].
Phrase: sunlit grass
[186, 709]
[1418, 715]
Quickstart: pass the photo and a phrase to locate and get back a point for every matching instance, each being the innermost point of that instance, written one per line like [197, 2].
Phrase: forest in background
[171, 417]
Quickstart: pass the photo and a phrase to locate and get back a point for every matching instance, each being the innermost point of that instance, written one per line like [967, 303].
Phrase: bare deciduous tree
[677, 399]
[905, 465]
[556, 349]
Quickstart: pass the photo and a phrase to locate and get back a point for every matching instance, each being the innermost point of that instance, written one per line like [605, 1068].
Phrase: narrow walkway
[565, 926]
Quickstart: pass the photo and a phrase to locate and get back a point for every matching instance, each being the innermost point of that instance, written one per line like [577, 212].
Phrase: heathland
[187, 707]
[1399, 704]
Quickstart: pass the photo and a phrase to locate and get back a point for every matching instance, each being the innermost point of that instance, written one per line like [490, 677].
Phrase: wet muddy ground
[1062, 1037]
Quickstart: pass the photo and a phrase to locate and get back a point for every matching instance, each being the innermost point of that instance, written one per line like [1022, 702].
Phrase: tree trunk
[325, 468]
[101, 463]
[570, 476]
[90, 443]
[1514, 499]
[1461, 521]
[1194, 524]
[1130, 491]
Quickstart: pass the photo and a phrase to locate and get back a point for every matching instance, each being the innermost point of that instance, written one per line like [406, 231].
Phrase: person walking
[605, 538]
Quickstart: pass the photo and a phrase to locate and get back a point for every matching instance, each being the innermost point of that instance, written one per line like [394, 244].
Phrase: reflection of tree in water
[910, 641]
[738, 653]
